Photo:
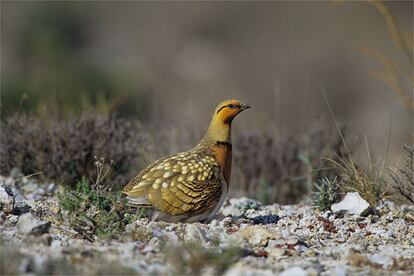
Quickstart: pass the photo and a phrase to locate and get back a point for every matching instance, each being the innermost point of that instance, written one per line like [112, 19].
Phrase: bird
[190, 186]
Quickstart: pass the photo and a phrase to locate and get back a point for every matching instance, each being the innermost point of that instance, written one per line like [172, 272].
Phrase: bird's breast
[222, 153]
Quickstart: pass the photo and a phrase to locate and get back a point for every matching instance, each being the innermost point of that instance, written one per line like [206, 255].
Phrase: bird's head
[228, 109]
[219, 129]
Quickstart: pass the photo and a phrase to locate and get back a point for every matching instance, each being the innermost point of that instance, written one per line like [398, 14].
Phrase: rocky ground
[247, 238]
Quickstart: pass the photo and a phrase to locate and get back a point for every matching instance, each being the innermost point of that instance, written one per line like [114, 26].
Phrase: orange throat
[223, 153]
[218, 138]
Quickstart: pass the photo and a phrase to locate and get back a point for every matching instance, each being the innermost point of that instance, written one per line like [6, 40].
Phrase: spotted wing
[186, 183]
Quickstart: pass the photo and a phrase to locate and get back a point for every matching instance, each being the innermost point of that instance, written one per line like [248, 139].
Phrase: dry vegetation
[397, 75]
[65, 150]
[269, 167]
[403, 177]
[282, 168]
[368, 180]
[366, 176]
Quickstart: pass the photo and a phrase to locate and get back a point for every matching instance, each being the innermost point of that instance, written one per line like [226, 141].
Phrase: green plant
[92, 209]
[90, 212]
[326, 194]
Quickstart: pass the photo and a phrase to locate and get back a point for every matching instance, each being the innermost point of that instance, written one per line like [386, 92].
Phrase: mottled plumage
[191, 185]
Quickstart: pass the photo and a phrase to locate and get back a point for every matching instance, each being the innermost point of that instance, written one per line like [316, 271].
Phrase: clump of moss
[326, 194]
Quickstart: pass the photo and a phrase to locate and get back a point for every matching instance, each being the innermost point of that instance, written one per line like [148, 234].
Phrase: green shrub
[92, 210]
[326, 194]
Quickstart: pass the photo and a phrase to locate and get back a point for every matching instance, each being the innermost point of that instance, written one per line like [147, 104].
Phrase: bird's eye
[231, 106]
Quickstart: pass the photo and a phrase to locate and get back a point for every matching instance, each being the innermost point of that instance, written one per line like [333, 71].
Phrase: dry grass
[397, 75]
[398, 81]
[369, 181]
[364, 175]
[367, 178]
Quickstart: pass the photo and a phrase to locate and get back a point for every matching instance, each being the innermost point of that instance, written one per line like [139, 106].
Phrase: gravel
[274, 239]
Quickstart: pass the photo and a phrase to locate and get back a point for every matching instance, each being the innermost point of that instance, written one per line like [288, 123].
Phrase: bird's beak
[244, 106]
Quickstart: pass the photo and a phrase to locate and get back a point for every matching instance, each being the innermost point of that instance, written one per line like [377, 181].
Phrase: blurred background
[170, 63]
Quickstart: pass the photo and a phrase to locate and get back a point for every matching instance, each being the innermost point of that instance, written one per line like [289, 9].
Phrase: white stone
[194, 234]
[285, 233]
[258, 235]
[352, 203]
[152, 246]
[29, 224]
[239, 270]
[275, 252]
[6, 201]
[339, 271]
[294, 271]
[4, 196]
[384, 260]
[170, 237]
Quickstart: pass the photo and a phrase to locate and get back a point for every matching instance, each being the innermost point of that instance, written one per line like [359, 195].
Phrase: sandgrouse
[190, 186]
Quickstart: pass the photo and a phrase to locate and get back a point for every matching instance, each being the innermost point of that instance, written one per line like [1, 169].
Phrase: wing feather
[184, 183]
